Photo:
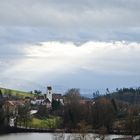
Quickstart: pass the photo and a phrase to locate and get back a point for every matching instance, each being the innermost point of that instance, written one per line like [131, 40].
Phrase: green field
[53, 122]
[20, 94]
[46, 123]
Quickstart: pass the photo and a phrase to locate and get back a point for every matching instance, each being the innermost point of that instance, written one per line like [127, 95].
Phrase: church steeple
[49, 93]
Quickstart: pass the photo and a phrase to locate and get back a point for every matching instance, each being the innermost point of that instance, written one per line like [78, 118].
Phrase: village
[12, 104]
[70, 112]
[34, 110]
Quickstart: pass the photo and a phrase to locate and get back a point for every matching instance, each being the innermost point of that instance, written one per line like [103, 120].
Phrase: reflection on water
[89, 137]
[50, 136]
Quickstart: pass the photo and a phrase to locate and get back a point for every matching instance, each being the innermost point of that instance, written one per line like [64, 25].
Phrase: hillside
[17, 93]
[129, 95]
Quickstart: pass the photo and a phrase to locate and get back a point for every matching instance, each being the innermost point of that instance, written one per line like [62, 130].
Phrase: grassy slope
[48, 123]
[52, 122]
[17, 93]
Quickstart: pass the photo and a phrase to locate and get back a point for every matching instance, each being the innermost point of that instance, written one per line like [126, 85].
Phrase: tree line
[103, 112]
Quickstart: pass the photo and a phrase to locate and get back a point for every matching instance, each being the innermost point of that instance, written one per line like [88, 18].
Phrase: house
[11, 109]
[41, 100]
[37, 101]
[58, 97]
[47, 103]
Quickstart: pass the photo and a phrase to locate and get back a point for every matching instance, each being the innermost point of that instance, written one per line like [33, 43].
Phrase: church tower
[49, 93]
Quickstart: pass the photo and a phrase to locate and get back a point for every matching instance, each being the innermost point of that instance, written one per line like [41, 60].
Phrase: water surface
[48, 136]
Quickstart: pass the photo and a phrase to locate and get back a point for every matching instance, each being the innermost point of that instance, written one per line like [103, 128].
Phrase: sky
[87, 44]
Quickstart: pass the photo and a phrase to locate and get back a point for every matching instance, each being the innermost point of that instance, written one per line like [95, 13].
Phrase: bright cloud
[77, 43]
[52, 62]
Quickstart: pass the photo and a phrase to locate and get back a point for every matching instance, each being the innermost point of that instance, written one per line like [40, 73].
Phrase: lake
[47, 136]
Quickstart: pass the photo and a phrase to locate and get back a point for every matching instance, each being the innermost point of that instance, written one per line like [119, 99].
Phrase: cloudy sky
[89, 44]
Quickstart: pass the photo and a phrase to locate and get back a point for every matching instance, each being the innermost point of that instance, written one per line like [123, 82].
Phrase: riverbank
[7, 130]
